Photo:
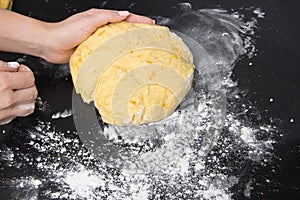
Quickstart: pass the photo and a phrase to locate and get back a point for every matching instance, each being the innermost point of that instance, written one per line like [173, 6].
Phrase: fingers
[25, 95]
[6, 120]
[99, 17]
[18, 92]
[9, 66]
[23, 110]
[16, 87]
[23, 79]
[12, 112]
[23, 68]
[139, 19]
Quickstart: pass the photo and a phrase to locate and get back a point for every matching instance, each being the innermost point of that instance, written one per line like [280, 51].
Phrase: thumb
[9, 66]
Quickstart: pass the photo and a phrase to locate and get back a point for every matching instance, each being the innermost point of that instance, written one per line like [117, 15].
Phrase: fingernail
[123, 13]
[153, 22]
[13, 64]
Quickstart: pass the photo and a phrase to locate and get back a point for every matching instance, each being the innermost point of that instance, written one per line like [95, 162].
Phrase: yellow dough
[134, 73]
[6, 4]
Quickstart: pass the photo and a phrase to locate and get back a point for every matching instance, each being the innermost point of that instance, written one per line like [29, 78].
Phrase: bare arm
[21, 34]
[55, 42]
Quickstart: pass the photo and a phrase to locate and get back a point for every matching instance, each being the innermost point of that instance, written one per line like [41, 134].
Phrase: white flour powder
[63, 114]
[190, 155]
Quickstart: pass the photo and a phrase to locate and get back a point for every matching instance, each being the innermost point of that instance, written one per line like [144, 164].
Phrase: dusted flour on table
[186, 156]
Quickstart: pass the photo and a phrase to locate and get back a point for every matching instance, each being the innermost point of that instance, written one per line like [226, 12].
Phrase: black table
[275, 75]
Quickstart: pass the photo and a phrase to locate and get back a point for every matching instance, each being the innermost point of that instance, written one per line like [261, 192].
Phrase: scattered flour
[197, 153]
[63, 114]
[259, 13]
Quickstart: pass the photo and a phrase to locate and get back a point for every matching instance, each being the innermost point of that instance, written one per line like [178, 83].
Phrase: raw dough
[6, 4]
[135, 73]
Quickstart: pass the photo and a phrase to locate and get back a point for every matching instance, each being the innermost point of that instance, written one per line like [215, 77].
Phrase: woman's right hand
[17, 91]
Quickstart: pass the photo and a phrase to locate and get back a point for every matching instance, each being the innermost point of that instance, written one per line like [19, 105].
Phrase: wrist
[51, 48]
[45, 43]
[39, 45]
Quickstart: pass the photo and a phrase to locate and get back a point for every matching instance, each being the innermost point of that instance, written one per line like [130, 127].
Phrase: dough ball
[134, 73]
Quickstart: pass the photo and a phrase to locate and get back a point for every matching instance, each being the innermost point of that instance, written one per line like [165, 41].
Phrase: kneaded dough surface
[102, 34]
[143, 97]
[6, 4]
[137, 83]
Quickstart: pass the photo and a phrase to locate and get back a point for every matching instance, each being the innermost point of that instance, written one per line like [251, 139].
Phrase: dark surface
[275, 74]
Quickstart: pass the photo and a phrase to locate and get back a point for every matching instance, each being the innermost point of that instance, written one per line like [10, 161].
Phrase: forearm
[55, 42]
[22, 34]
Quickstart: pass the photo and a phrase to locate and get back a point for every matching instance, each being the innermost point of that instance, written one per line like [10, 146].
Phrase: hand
[17, 91]
[66, 35]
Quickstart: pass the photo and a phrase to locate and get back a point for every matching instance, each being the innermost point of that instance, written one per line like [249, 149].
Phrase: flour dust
[190, 155]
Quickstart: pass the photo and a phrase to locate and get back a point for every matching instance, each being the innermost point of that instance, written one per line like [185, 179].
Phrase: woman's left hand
[66, 35]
